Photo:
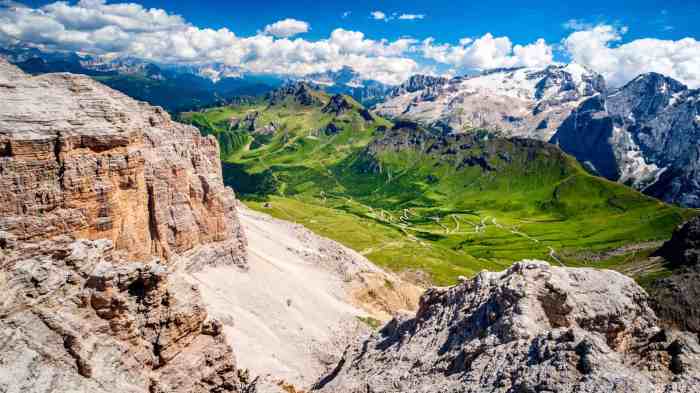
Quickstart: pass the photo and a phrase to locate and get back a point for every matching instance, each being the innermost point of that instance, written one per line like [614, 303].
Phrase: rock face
[79, 158]
[300, 93]
[109, 312]
[644, 134]
[419, 82]
[337, 106]
[532, 328]
[677, 298]
[522, 102]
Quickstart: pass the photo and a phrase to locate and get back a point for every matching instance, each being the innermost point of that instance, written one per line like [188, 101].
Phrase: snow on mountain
[524, 102]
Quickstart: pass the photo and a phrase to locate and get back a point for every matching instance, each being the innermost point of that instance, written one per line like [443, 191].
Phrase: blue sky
[617, 38]
[444, 19]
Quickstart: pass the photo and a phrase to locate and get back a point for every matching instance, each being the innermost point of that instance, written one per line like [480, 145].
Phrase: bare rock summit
[531, 328]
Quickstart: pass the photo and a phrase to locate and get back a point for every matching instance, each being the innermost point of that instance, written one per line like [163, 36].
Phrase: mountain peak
[300, 92]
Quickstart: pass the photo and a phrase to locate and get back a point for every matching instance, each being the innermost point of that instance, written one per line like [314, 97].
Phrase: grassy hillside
[412, 200]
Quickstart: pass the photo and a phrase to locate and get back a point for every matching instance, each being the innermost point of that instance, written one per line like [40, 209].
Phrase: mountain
[412, 198]
[350, 82]
[106, 204]
[173, 87]
[644, 134]
[522, 102]
[531, 328]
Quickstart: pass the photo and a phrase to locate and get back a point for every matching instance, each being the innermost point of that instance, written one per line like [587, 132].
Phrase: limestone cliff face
[80, 159]
[104, 202]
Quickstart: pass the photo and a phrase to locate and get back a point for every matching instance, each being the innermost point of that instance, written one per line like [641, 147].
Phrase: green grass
[446, 206]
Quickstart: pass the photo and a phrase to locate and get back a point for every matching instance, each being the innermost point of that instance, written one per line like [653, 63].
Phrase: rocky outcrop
[81, 159]
[532, 328]
[677, 297]
[77, 317]
[684, 247]
[104, 202]
[300, 93]
[338, 105]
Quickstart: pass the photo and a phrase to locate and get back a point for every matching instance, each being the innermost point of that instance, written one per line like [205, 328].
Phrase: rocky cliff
[103, 201]
[531, 328]
[644, 134]
[677, 297]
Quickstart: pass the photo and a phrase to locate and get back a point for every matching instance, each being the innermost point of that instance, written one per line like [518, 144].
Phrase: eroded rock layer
[78, 158]
[104, 202]
[532, 328]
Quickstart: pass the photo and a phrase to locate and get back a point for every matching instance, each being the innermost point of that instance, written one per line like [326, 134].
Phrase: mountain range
[173, 87]
[644, 134]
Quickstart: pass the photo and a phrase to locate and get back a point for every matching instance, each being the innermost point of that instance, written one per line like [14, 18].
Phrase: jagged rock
[644, 134]
[110, 312]
[337, 106]
[521, 102]
[299, 92]
[684, 246]
[82, 159]
[677, 298]
[77, 317]
[531, 328]
[419, 82]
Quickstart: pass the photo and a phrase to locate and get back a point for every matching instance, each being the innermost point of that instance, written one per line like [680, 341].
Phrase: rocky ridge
[522, 102]
[531, 328]
[104, 202]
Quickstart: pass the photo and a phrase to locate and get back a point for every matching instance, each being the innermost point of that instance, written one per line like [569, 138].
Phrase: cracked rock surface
[104, 203]
[531, 328]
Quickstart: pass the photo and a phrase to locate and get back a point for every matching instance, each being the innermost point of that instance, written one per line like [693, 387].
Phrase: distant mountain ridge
[348, 81]
[644, 134]
[173, 87]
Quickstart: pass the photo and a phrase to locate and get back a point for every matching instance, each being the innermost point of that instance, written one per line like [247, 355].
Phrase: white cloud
[488, 52]
[127, 29]
[597, 49]
[287, 28]
[378, 15]
[346, 14]
[411, 16]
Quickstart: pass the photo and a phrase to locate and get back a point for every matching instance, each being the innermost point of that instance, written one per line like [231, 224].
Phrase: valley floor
[303, 299]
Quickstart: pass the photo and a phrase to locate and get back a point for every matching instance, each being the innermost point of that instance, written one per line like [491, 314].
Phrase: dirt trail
[291, 314]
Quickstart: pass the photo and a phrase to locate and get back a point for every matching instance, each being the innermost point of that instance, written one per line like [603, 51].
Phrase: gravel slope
[292, 313]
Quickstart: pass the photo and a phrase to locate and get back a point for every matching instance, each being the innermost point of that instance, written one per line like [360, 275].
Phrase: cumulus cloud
[598, 49]
[287, 28]
[488, 52]
[127, 29]
[411, 16]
